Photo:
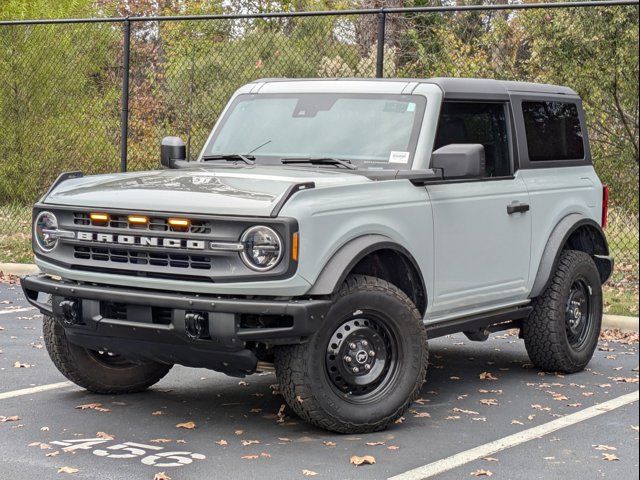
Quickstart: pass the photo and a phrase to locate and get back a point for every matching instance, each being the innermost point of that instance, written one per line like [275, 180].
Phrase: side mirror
[172, 150]
[460, 160]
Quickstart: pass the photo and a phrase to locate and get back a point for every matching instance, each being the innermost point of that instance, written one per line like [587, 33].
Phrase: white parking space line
[32, 390]
[17, 310]
[446, 464]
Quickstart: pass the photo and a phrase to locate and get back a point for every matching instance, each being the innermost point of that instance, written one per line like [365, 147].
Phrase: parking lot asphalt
[476, 394]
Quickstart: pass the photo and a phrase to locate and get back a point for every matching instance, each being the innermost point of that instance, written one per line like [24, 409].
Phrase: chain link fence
[63, 105]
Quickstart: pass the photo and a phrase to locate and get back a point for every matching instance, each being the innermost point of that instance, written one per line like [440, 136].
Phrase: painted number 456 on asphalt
[151, 454]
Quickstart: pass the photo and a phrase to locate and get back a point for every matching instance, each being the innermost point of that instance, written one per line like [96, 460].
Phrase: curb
[619, 322]
[18, 268]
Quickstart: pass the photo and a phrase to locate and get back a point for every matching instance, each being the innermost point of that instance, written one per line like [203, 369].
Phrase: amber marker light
[294, 247]
[99, 218]
[138, 219]
[179, 223]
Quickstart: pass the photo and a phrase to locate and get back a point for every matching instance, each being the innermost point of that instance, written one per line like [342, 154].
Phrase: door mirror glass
[460, 160]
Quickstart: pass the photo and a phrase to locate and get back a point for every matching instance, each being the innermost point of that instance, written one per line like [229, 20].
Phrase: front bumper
[150, 325]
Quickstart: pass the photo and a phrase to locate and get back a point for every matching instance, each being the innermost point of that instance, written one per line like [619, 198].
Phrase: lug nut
[367, 367]
[353, 346]
[364, 343]
[372, 353]
[347, 359]
[355, 369]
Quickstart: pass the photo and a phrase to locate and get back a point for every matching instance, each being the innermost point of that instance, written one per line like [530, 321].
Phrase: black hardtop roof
[458, 87]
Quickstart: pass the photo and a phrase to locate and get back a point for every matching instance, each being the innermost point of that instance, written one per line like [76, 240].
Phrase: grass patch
[16, 248]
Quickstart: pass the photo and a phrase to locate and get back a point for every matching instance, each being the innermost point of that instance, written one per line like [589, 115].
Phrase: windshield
[369, 130]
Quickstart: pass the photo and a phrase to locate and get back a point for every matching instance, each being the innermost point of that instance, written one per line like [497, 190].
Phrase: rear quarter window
[553, 131]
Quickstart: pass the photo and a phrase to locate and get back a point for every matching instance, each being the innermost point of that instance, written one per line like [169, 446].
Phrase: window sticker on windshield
[411, 107]
[398, 157]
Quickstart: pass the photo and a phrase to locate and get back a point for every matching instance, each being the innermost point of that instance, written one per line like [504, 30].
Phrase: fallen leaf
[157, 413]
[67, 470]
[265, 455]
[186, 425]
[609, 457]
[238, 432]
[516, 422]
[373, 444]
[309, 473]
[21, 365]
[327, 443]
[365, 460]
[468, 412]
[92, 406]
[489, 401]
[222, 443]
[249, 442]
[104, 436]
[490, 459]
[53, 454]
[249, 457]
[14, 418]
[604, 448]
[422, 415]
[161, 476]
[487, 376]
[481, 473]
[44, 429]
[280, 413]
[393, 447]
[625, 379]
[160, 440]
[399, 421]
[634, 427]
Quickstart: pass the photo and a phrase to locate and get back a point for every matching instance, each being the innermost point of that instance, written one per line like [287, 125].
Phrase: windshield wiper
[320, 161]
[231, 157]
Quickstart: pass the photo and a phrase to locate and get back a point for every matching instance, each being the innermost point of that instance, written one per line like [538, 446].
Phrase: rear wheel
[365, 365]
[562, 332]
[98, 372]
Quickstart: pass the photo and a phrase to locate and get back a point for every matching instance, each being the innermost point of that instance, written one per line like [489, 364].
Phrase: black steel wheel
[578, 313]
[365, 365]
[362, 358]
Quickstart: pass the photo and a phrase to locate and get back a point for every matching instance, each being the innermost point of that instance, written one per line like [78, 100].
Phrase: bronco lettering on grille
[141, 240]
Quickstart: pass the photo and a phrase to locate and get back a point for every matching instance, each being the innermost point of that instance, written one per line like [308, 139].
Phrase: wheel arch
[378, 256]
[576, 232]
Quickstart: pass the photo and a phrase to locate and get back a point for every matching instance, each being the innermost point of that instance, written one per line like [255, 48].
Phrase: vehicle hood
[250, 191]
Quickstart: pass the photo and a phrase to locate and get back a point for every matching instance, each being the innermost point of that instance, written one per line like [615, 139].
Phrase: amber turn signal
[99, 218]
[294, 247]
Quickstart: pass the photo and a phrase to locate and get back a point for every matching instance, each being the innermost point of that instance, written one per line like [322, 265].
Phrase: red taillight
[605, 206]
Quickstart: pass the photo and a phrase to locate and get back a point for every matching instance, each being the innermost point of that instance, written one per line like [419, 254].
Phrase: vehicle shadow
[234, 408]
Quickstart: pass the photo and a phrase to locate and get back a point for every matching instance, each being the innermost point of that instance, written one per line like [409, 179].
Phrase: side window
[553, 131]
[477, 122]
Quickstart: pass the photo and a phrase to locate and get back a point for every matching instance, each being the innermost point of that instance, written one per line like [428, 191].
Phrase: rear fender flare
[556, 243]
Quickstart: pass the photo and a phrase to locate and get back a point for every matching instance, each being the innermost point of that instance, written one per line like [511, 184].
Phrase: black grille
[159, 259]
[156, 224]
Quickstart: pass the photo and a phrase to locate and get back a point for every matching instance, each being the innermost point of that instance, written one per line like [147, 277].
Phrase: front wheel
[562, 332]
[98, 372]
[365, 365]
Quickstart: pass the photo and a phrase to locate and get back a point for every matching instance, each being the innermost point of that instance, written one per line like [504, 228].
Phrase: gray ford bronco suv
[326, 230]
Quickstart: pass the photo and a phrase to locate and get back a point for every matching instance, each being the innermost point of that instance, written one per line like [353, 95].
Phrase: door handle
[517, 207]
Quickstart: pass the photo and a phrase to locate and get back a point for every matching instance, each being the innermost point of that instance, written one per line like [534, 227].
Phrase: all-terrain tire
[304, 376]
[87, 370]
[546, 332]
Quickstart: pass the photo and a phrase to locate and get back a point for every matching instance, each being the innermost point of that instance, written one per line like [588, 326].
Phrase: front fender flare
[338, 267]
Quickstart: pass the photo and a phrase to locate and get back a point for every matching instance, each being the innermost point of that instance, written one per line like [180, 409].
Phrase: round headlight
[44, 230]
[262, 248]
